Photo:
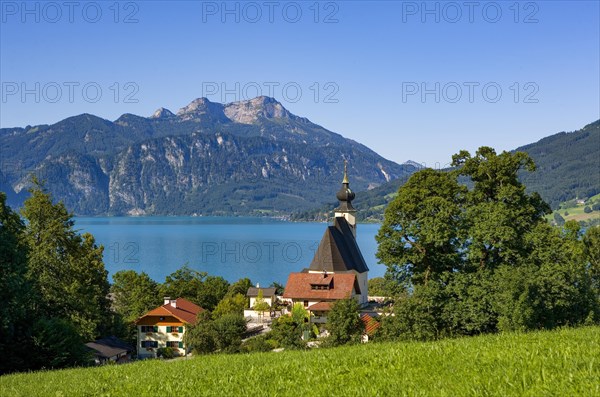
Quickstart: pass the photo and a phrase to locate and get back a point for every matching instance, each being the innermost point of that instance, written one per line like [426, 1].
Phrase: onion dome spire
[345, 195]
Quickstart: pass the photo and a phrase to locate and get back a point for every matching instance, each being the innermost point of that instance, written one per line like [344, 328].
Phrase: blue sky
[411, 80]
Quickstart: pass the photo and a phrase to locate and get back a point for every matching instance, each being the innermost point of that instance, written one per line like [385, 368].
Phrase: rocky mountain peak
[162, 113]
[411, 163]
[249, 111]
[201, 107]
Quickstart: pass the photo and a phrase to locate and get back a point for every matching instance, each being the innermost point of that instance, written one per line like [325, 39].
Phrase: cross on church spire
[345, 180]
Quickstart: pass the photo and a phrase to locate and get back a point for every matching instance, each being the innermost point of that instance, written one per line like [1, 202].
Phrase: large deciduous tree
[420, 235]
[483, 258]
[498, 213]
[65, 268]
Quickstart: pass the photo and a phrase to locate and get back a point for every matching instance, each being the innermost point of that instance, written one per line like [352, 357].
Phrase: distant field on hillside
[558, 363]
[573, 211]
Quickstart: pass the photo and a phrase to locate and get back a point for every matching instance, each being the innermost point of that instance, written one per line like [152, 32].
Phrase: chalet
[165, 327]
[338, 269]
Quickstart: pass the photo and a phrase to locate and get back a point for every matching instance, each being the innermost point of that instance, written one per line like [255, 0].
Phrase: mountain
[568, 167]
[242, 158]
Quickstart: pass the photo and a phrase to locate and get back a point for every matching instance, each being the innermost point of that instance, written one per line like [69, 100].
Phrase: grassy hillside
[574, 210]
[558, 363]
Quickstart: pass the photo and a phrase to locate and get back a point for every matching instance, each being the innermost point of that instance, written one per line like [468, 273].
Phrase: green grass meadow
[565, 362]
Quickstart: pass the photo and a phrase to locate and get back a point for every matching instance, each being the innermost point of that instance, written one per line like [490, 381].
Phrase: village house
[268, 295]
[165, 327]
[110, 349]
[338, 269]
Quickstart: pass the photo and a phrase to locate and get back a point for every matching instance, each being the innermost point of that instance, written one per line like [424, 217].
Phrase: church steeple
[345, 196]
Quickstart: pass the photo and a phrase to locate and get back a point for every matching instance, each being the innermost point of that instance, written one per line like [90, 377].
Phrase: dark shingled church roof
[338, 251]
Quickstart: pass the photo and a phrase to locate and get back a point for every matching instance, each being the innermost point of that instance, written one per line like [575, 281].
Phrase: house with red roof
[165, 326]
[338, 269]
[371, 326]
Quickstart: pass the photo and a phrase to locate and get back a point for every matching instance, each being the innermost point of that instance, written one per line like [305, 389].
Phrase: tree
[591, 251]
[420, 235]
[198, 287]
[15, 292]
[287, 333]
[299, 314]
[134, 294]
[587, 209]
[200, 337]
[483, 259]
[384, 286]
[214, 288]
[344, 323]
[57, 344]
[229, 329]
[498, 211]
[559, 220]
[230, 305]
[222, 334]
[65, 268]
[239, 287]
[377, 286]
[261, 305]
[279, 288]
[468, 303]
[183, 283]
[416, 315]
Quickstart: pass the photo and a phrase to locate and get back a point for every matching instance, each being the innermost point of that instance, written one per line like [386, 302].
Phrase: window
[174, 345]
[175, 330]
[305, 303]
[149, 328]
[149, 343]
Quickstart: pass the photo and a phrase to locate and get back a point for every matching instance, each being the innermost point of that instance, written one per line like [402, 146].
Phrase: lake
[262, 249]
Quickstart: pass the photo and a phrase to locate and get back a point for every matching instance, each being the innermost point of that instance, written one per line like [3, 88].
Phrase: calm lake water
[262, 249]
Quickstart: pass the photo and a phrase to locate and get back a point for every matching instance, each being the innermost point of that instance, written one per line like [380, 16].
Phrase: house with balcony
[165, 326]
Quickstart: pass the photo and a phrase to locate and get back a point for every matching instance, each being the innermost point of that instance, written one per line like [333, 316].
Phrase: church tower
[338, 269]
[345, 196]
[338, 251]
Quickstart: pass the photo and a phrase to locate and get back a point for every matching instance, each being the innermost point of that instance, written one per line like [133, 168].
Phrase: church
[338, 269]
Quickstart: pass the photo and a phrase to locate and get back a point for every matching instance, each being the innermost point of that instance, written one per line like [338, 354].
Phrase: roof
[267, 292]
[340, 286]
[371, 324]
[182, 309]
[320, 307]
[109, 347]
[338, 250]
